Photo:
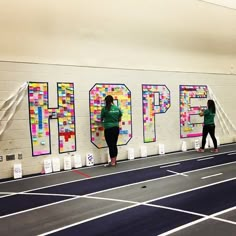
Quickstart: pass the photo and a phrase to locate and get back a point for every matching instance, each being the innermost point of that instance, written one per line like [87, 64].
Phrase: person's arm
[101, 117]
[201, 113]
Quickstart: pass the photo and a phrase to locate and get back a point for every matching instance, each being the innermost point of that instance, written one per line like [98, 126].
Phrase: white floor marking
[213, 216]
[111, 199]
[176, 209]
[204, 217]
[49, 194]
[87, 220]
[233, 153]
[204, 159]
[39, 207]
[210, 176]
[129, 185]
[89, 195]
[159, 178]
[225, 211]
[176, 164]
[193, 189]
[8, 193]
[201, 220]
[177, 173]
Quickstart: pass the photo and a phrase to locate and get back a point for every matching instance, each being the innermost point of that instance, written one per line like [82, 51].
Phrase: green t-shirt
[111, 118]
[209, 117]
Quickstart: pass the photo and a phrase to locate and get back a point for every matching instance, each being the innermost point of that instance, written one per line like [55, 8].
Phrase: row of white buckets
[70, 161]
[54, 164]
[74, 160]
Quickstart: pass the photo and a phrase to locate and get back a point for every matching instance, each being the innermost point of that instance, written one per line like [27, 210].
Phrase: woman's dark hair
[211, 106]
[109, 102]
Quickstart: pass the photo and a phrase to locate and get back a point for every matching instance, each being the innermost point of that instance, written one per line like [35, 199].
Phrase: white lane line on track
[177, 173]
[232, 153]
[74, 181]
[176, 164]
[192, 189]
[39, 207]
[211, 176]
[127, 185]
[160, 178]
[87, 220]
[89, 196]
[204, 217]
[204, 159]
[38, 194]
[6, 193]
[213, 216]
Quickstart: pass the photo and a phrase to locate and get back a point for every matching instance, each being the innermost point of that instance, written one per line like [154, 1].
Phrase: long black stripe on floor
[206, 201]
[119, 179]
[16, 203]
[141, 220]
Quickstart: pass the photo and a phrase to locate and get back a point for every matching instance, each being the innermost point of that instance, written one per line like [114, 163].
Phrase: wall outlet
[10, 157]
[1, 158]
[20, 156]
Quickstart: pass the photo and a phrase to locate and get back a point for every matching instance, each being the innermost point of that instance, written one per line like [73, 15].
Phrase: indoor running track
[186, 193]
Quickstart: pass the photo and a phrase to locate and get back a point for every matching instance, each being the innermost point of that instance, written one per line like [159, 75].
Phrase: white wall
[16, 137]
[130, 42]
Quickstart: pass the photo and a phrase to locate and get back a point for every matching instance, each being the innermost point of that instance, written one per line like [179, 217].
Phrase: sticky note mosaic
[156, 100]
[40, 115]
[122, 98]
[192, 99]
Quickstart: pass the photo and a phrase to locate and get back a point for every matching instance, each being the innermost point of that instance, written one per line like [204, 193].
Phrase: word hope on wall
[156, 99]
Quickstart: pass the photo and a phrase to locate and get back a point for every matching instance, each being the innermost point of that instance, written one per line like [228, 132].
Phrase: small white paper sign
[196, 144]
[184, 146]
[17, 171]
[161, 149]
[77, 161]
[67, 163]
[89, 159]
[56, 165]
[47, 164]
[143, 150]
[130, 153]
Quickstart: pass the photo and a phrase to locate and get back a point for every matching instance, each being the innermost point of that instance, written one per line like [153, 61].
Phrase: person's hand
[201, 113]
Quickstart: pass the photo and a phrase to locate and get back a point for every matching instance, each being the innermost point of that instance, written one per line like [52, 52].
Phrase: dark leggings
[211, 130]
[111, 137]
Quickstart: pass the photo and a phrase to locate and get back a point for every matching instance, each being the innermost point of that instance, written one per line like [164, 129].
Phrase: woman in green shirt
[209, 125]
[111, 116]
